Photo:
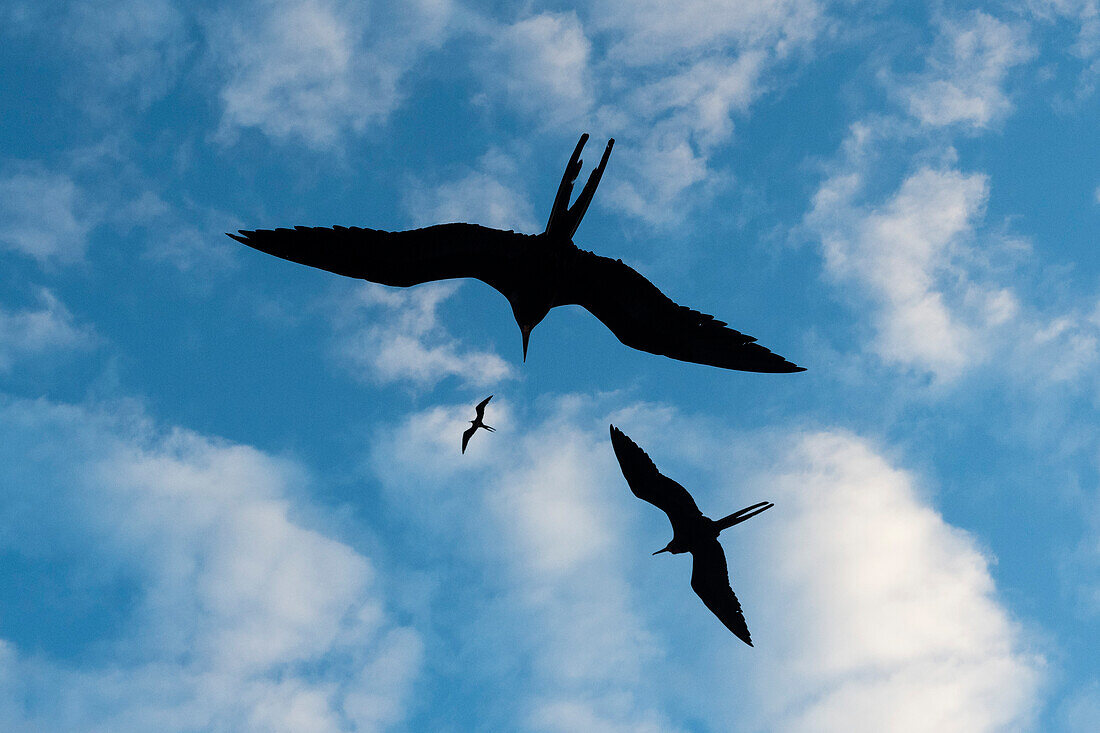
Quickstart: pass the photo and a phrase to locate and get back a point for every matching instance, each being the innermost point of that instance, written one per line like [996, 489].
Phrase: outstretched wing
[644, 318]
[466, 436]
[649, 484]
[401, 259]
[711, 582]
[480, 408]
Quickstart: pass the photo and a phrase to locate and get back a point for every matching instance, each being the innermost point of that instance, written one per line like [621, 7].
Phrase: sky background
[231, 493]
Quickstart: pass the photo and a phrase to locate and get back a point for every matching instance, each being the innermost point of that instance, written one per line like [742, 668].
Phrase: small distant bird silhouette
[691, 531]
[534, 272]
[477, 422]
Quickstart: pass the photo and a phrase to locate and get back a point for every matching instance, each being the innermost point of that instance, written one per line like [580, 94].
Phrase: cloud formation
[691, 69]
[903, 254]
[491, 194]
[239, 615]
[50, 328]
[43, 214]
[541, 65]
[394, 335]
[938, 284]
[887, 613]
[312, 71]
[872, 609]
[966, 73]
[539, 523]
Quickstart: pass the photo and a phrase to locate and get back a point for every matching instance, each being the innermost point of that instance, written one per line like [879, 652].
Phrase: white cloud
[903, 254]
[189, 237]
[1084, 12]
[668, 79]
[967, 71]
[867, 609]
[43, 214]
[241, 616]
[118, 55]
[132, 50]
[690, 114]
[492, 195]
[402, 339]
[937, 279]
[315, 70]
[540, 521]
[652, 32]
[656, 178]
[50, 328]
[880, 615]
[541, 65]
[704, 95]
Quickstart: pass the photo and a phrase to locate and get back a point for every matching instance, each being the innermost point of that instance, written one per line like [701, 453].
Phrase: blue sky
[231, 493]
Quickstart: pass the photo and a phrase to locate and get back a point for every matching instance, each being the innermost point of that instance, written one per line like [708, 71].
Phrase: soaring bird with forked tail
[477, 422]
[534, 272]
[691, 531]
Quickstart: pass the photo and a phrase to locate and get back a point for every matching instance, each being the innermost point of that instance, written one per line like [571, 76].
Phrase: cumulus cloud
[881, 615]
[492, 194]
[43, 214]
[873, 610]
[935, 276]
[690, 114]
[541, 65]
[402, 339]
[965, 78]
[651, 31]
[540, 522]
[704, 95]
[49, 328]
[902, 253]
[314, 70]
[691, 68]
[235, 614]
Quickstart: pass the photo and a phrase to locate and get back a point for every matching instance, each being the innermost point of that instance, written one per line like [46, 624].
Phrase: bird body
[692, 531]
[535, 272]
[477, 422]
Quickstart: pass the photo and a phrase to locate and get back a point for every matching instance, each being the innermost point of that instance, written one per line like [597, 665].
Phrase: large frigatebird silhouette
[477, 422]
[534, 272]
[691, 531]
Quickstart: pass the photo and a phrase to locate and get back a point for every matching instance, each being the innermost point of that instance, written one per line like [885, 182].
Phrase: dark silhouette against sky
[534, 272]
[477, 422]
[691, 531]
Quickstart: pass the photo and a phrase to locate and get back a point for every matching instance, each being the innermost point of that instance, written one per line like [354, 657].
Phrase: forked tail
[564, 219]
[740, 516]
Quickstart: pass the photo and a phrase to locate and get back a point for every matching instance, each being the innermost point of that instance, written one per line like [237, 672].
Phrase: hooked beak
[526, 336]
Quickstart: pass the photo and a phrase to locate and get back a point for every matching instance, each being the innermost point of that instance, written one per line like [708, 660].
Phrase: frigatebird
[477, 422]
[534, 272]
[691, 531]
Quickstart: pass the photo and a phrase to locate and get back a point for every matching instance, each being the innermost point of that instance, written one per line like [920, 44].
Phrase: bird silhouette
[534, 272]
[477, 422]
[691, 531]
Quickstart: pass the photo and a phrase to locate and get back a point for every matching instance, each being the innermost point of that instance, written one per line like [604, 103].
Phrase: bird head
[525, 331]
[528, 314]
